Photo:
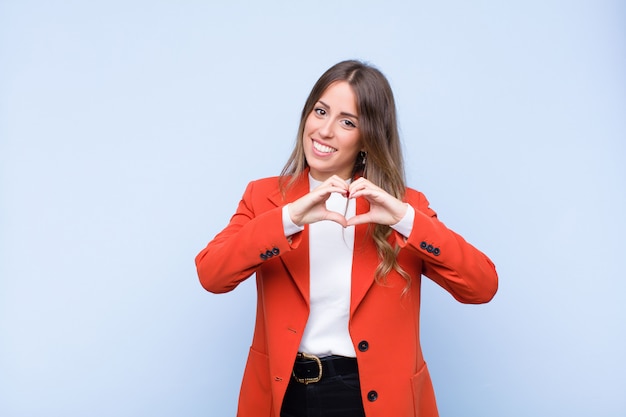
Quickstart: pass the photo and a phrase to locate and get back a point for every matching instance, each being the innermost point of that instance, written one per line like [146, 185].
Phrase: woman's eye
[349, 123]
[320, 112]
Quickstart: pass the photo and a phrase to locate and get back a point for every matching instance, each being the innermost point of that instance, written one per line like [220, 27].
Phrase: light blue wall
[129, 129]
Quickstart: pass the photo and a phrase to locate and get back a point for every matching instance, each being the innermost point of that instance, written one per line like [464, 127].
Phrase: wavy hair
[380, 140]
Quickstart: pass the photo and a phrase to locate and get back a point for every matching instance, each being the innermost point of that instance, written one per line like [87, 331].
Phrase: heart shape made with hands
[383, 207]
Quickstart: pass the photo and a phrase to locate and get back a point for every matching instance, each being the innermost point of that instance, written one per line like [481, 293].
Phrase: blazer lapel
[297, 261]
[364, 260]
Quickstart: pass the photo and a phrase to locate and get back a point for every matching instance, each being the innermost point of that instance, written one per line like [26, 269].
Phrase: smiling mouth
[323, 148]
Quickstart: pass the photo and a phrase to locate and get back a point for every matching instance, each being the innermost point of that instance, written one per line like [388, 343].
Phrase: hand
[311, 207]
[384, 208]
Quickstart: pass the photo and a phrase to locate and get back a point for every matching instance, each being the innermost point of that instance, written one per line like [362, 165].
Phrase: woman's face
[331, 137]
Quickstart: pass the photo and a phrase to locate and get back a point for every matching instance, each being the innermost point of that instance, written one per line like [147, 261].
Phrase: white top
[330, 253]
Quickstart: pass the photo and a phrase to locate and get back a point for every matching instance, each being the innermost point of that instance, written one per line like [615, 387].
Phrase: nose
[326, 128]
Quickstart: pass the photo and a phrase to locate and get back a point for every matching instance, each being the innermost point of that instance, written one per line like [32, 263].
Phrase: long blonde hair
[380, 139]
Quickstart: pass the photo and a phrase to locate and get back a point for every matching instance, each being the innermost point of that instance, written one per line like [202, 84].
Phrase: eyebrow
[343, 113]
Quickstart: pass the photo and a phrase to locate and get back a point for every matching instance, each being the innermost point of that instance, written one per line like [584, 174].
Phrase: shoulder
[418, 200]
[262, 187]
[413, 195]
[284, 185]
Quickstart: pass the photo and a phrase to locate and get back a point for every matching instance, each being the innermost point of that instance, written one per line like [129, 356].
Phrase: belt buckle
[307, 381]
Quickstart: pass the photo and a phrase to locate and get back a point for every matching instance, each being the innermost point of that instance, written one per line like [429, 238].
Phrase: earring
[363, 156]
[363, 161]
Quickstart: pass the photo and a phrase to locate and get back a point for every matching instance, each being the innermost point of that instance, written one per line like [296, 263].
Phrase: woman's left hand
[384, 208]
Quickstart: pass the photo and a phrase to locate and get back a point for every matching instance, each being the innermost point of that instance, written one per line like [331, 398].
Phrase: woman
[338, 244]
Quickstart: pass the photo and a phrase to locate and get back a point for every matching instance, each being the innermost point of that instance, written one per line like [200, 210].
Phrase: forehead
[340, 95]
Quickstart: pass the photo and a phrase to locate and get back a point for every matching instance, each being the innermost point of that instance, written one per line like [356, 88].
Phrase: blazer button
[363, 345]
[263, 256]
[423, 245]
[269, 254]
[372, 396]
[430, 249]
[436, 251]
[276, 251]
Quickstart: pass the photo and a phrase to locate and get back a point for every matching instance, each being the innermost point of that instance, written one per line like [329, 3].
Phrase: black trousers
[334, 396]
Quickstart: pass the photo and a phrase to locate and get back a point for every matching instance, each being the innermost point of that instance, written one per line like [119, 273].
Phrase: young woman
[338, 244]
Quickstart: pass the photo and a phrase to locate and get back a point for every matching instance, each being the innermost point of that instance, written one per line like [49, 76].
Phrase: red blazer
[384, 322]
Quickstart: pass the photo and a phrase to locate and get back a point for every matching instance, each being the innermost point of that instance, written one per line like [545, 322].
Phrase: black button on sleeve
[269, 254]
[276, 251]
[423, 245]
[263, 256]
[363, 345]
[430, 249]
[436, 251]
[372, 396]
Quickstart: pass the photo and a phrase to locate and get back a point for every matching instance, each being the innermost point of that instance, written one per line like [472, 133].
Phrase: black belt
[309, 369]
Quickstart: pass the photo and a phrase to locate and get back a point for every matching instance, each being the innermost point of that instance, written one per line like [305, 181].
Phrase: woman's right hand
[311, 207]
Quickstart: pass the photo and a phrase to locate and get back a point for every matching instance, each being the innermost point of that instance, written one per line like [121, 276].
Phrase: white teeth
[323, 148]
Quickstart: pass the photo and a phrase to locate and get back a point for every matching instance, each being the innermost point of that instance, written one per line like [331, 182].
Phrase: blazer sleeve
[457, 266]
[253, 236]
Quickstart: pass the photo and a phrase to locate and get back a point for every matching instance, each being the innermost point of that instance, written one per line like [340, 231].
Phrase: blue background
[129, 129]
